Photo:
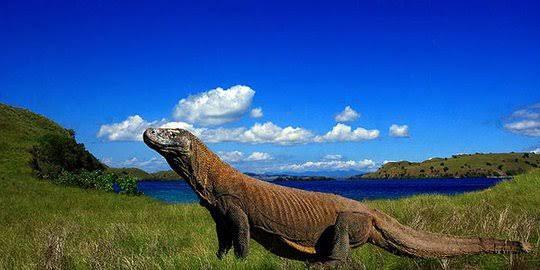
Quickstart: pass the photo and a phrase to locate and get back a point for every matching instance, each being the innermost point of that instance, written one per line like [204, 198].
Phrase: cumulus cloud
[341, 132]
[232, 156]
[347, 115]
[271, 133]
[399, 131]
[332, 165]
[525, 121]
[151, 164]
[133, 127]
[259, 156]
[143, 163]
[215, 107]
[536, 151]
[237, 156]
[130, 129]
[333, 157]
[256, 113]
[525, 127]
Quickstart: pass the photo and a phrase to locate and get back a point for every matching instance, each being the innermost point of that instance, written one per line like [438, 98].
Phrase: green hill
[134, 172]
[474, 165]
[165, 175]
[19, 131]
[45, 226]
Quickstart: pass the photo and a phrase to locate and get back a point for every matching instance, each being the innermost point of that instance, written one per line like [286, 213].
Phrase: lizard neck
[207, 174]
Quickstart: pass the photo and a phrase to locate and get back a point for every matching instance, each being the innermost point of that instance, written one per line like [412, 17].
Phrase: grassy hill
[134, 172]
[474, 165]
[19, 130]
[53, 227]
[165, 175]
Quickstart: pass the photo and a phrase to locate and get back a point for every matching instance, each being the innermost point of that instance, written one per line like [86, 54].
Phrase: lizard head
[175, 145]
[169, 141]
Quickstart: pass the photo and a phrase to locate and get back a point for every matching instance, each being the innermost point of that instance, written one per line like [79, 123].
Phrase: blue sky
[457, 75]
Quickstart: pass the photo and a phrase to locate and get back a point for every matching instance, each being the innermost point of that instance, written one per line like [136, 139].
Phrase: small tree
[55, 153]
[128, 185]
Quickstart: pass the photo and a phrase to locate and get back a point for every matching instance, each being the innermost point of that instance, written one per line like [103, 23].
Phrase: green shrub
[56, 153]
[98, 180]
[88, 180]
[128, 185]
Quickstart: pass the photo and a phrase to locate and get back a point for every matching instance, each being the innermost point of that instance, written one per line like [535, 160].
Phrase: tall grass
[51, 227]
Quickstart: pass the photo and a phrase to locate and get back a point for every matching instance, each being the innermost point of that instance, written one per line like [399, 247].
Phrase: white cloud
[232, 156]
[107, 161]
[387, 161]
[333, 165]
[131, 161]
[215, 107]
[237, 156]
[149, 165]
[399, 131]
[130, 129]
[333, 157]
[525, 127]
[271, 133]
[256, 113]
[536, 151]
[348, 114]
[525, 121]
[259, 156]
[341, 132]
[133, 127]
[525, 113]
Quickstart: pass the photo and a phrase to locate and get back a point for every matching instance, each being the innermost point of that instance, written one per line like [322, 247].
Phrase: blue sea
[180, 192]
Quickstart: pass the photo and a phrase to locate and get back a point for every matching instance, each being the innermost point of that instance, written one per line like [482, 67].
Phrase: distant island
[287, 177]
[457, 166]
[171, 175]
[460, 166]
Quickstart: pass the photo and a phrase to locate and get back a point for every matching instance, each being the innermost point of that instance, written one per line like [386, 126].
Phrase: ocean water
[180, 192]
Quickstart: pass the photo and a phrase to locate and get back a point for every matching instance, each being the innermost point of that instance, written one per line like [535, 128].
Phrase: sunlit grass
[46, 225]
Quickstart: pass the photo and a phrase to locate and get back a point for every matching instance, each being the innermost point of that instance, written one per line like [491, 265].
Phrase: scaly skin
[293, 223]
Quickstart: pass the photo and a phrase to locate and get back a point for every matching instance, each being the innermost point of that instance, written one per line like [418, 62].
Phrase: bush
[55, 154]
[98, 180]
[128, 185]
[88, 180]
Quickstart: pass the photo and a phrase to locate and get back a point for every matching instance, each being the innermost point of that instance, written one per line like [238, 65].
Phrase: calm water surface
[180, 192]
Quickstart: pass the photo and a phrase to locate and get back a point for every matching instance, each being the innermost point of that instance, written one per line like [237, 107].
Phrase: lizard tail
[389, 234]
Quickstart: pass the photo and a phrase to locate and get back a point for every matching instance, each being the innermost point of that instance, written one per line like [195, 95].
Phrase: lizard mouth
[165, 146]
[150, 139]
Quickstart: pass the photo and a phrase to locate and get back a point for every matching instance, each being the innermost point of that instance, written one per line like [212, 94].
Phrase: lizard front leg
[224, 234]
[240, 230]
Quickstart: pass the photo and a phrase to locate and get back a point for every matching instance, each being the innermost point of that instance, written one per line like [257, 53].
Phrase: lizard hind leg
[350, 230]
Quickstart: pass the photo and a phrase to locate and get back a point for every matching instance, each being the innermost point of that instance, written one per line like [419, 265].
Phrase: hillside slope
[474, 165]
[133, 172]
[19, 130]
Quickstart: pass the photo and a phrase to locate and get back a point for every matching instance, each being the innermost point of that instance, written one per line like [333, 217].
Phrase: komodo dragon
[298, 224]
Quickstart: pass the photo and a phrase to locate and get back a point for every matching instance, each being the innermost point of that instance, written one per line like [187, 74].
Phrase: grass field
[53, 227]
[50, 225]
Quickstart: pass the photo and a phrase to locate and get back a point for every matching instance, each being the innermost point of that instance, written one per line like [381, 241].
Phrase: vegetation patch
[460, 166]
